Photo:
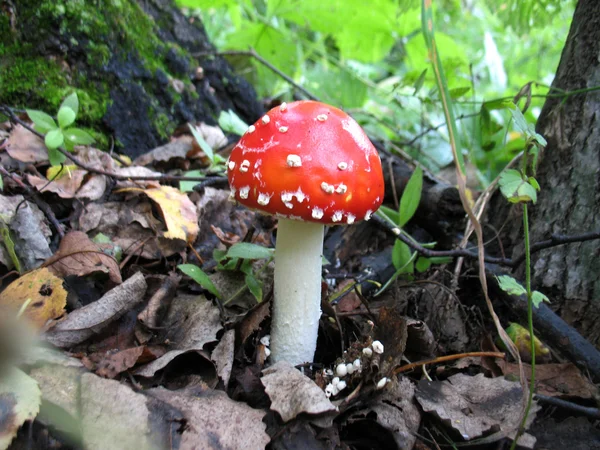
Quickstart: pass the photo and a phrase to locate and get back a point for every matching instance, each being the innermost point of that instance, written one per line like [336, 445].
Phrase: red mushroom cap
[307, 161]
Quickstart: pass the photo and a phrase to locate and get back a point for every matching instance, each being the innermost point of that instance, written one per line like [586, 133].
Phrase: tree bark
[569, 176]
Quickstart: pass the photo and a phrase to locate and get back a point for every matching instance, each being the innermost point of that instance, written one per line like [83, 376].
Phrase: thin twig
[446, 358]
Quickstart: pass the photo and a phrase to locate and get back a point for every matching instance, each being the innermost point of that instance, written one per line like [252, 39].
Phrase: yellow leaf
[43, 292]
[178, 211]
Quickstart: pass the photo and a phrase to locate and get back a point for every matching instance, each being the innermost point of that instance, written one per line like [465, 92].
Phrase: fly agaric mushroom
[311, 165]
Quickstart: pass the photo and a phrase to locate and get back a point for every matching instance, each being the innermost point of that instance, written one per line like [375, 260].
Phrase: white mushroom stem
[297, 304]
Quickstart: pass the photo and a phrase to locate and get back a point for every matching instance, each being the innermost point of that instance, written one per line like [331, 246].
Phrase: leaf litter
[156, 361]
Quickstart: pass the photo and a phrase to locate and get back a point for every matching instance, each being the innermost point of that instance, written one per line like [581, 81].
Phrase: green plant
[240, 257]
[404, 259]
[62, 133]
[518, 186]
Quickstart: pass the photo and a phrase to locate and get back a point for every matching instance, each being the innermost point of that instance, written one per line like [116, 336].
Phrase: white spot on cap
[368, 214]
[283, 107]
[322, 117]
[263, 199]
[288, 205]
[341, 189]
[251, 129]
[231, 165]
[343, 165]
[294, 161]
[317, 213]
[265, 119]
[244, 166]
[350, 219]
[283, 129]
[244, 191]
[337, 216]
[286, 196]
[328, 188]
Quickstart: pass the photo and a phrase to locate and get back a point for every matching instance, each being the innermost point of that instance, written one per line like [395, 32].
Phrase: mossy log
[130, 62]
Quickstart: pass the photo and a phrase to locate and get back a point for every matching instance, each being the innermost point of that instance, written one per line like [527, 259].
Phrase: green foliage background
[370, 58]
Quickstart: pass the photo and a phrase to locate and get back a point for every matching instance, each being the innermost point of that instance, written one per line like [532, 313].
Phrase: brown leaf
[555, 380]
[113, 364]
[43, 293]
[475, 406]
[78, 255]
[25, 146]
[252, 320]
[214, 420]
[84, 322]
[293, 393]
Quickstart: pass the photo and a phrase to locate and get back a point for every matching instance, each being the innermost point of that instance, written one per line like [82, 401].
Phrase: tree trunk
[569, 176]
[131, 63]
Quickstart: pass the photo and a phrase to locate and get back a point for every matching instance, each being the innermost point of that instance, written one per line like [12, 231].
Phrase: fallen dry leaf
[178, 211]
[394, 410]
[43, 292]
[113, 416]
[112, 364]
[556, 380]
[64, 185]
[223, 355]
[177, 148]
[84, 322]
[29, 230]
[214, 421]
[292, 393]
[191, 323]
[25, 146]
[476, 406]
[78, 255]
[20, 400]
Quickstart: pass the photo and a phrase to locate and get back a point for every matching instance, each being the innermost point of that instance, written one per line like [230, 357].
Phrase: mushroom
[311, 165]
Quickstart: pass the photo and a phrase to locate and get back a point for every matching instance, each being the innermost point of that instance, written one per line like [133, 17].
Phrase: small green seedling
[405, 260]
[62, 133]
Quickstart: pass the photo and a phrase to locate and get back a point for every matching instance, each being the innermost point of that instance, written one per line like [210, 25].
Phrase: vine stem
[530, 323]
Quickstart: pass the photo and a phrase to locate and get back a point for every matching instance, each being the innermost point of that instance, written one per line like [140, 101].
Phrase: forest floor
[131, 345]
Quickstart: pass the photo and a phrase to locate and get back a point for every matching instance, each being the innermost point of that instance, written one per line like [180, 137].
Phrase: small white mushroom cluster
[341, 370]
[266, 341]
[376, 347]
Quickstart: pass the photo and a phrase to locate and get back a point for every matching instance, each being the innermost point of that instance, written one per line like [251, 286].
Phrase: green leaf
[459, 91]
[78, 137]
[246, 250]
[202, 143]
[231, 123]
[66, 116]
[419, 83]
[440, 259]
[515, 188]
[254, 286]
[401, 256]
[422, 264]
[43, 122]
[54, 138]
[196, 274]
[411, 197]
[537, 297]
[71, 102]
[55, 157]
[511, 286]
[188, 186]
[389, 214]
[9, 245]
